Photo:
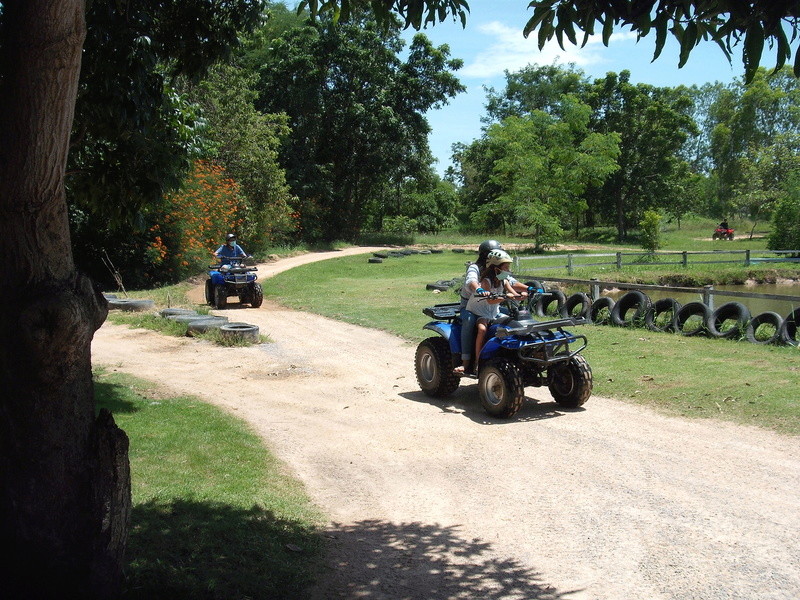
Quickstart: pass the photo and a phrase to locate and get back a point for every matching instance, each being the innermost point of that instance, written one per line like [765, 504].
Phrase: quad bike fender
[449, 331]
[216, 277]
[443, 329]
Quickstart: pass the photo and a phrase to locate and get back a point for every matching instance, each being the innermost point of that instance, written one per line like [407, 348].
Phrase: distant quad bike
[518, 352]
[722, 233]
[235, 278]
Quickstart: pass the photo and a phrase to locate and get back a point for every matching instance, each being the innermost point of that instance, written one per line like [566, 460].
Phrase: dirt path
[432, 499]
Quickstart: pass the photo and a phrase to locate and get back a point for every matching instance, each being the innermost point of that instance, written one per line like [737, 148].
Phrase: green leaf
[660, 24]
[688, 40]
[784, 50]
[608, 29]
[796, 68]
[539, 15]
[753, 47]
[546, 30]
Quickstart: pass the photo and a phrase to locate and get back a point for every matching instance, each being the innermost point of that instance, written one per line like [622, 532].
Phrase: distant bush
[785, 233]
[650, 230]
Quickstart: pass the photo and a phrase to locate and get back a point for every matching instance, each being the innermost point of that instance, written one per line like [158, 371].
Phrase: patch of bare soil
[433, 499]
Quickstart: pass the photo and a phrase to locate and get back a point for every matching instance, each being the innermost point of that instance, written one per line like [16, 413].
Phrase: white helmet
[498, 257]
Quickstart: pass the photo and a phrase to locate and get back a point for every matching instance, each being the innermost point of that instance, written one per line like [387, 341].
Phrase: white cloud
[511, 51]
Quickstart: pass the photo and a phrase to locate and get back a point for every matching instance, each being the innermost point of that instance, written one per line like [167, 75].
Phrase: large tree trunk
[64, 473]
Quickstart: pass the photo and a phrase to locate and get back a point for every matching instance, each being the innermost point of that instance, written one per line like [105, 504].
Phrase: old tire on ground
[789, 328]
[631, 309]
[256, 295]
[544, 304]
[764, 328]
[442, 285]
[239, 331]
[662, 315]
[729, 320]
[500, 388]
[570, 382]
[174, 312]
[130, 304]
[581, 302]
[186, 318]
[205, 324]
[375, 260]
[220, 296]
[380, 254]
[600, 312]
[692, 318]
[433, 364]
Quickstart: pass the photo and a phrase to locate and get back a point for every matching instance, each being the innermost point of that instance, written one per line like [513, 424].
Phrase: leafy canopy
[725, 22]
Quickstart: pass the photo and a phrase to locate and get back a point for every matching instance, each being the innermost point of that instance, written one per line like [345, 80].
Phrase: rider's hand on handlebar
[482, 292]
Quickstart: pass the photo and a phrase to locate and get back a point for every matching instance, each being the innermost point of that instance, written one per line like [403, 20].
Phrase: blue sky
[493, 43]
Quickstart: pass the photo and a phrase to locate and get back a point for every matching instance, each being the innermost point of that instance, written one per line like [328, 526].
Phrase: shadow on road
[465, 401]
[379, 559]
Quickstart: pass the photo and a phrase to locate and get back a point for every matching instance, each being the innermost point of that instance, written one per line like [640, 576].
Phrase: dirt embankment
[432, 499]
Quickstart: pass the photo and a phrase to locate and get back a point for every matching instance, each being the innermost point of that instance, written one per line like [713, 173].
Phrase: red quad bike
[722, 233]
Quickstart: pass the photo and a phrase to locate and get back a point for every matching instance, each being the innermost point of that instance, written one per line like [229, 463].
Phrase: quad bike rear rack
[550, 343]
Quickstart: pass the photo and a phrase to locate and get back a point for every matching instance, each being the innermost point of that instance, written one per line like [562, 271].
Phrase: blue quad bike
[236, 278]
[518, 352]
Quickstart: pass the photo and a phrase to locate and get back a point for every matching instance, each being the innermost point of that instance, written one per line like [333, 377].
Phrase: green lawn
[214, 514]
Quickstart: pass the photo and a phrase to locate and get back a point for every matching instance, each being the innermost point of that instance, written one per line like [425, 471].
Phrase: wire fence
[531, 264]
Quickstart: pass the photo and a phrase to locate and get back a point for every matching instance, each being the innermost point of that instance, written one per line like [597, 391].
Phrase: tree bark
[64, 473]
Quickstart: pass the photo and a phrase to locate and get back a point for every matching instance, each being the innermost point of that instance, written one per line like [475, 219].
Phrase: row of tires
[731, 320]
[379, 257]
[195, 322]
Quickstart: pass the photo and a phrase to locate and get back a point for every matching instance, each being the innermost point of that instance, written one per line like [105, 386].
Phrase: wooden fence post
[747, 258]
[569, 264]
[594, 289]
[619, 261]
[708, 297]
[685, 259]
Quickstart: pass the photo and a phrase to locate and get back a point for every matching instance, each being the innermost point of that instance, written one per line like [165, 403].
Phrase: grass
[215, 516]
[700, 377]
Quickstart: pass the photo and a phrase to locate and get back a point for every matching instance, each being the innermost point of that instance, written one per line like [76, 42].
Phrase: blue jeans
[467, 333]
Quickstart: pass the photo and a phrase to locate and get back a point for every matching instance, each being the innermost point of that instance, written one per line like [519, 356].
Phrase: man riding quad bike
[722, 232]
[518, 352]
[233, 276]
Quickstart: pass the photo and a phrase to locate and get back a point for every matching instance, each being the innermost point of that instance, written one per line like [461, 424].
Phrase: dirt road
[432, 499]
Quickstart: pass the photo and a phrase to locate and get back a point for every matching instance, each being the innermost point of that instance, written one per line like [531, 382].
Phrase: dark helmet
[486, 247]
[230, 237]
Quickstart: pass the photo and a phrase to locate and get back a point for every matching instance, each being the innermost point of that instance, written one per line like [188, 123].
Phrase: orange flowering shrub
[194, 220]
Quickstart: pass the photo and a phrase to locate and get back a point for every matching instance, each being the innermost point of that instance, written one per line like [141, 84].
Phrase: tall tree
[532, 88]
[746, 119]
[356, 114]
[64, 474]
[653, 124]
[541, 167]
[246, 142]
